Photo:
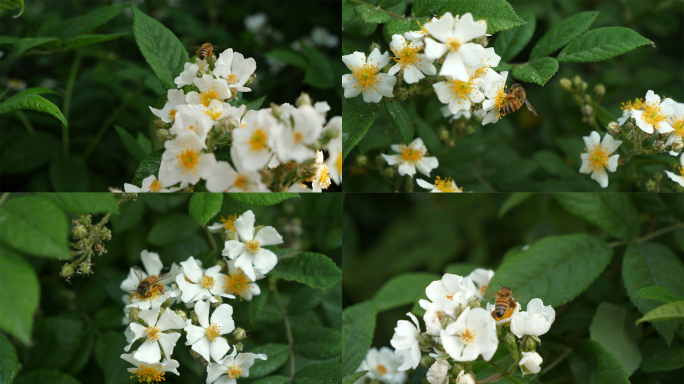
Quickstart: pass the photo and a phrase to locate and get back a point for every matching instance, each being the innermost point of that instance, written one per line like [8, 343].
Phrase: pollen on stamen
[156, 186]
[213, 332]
[228, 222]
[410, 155]
[234, 372]
[236, 283]
[188, 160]
[153, 333]
[252, 246]
[241, 182]
[468, 336]
[149, 373]
[257, 141]
[207, 282]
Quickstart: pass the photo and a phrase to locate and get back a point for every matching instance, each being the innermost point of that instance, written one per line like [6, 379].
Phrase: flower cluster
[458, 330]
[203, 124]
[212, 334]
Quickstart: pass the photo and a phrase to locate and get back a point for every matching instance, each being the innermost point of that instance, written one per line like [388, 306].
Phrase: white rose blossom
[536, 321]
[382, 366]
[653, 114]
[481, 278]
[494, 91]
[676, 121]
[152, 266]
[366, 77]
[188, 76]
[530, 362]
[415, 65]
[412, 157]
[184, 161]
[192, 119]
[437, 373]
[293, 141]
[233, 67]
[253, 141]
[599, 157]
[224, 178]
[440, 186]
[206, 339]
[248, 252]
[150, 372]
[405, 343]
[157, 339]
[196, 285]
[176, 98]
[460, 95]
[152, 184]
[471, 335]
[238, 283]
[234, 366]
[679, 179]
[210, 89]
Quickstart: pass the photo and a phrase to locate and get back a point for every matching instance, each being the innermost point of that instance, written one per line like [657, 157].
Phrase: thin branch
[4, 197]
[650, 236]
[24, 120]
[290, 342]
[556, 362]
[499, 376]
[212, 241]
[484, 181]
[108, 122]
[384, 10]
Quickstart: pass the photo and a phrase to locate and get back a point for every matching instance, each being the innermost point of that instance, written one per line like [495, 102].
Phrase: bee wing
[163, 276]
[138, 273]
[530, 107]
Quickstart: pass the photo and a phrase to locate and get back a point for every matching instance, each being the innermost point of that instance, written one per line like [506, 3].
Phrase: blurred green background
[115, 86]
[523, 152]
[78, 329]
[389, 235]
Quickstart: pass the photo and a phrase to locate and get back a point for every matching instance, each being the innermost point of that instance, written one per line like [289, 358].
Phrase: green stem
[4, 197]
[650, 236]
[212, 241]
[502, 375]
[483, 181]
[107, 123]
[67, 101]
[26, 122]
[273, 283]
[384, 10]
[556, 362]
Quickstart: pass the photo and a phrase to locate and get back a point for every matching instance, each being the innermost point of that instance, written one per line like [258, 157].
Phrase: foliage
[57, 331]
[570, 251]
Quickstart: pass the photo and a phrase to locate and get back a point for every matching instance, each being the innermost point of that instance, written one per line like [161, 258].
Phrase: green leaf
[69, 174]
[261, 199]
[172, 230]
[509, 43]
[304, 298]
[356, 119]
[354, 25]
[388, 3]
[25, 44]
[82, 40]
[498, 13]
[144, 143]
[537, 71]
[320, 73]
[46, 376]
[371, 14]
[19, 290]
[57, 341]
[254, 307]
[555, 269]
[108, 349]
[13, 4]
[27, 152]
[277, 379]
[312, 269]
[131, 145]
[255, 104]
[513, 201]
[423, 8]
[349, 379]
[669, 311]
[29, 99]
[403, 289]
[87, 344]
[34, 225]
[399, 27]
[161, 48]
[319, 344]
[80, 202]
[660, 294]
[401, 120]
[613, 212]
[602, 44]
[603, 116]
[658, 356]
[287, 56]
[562, 33]
[358, 325]
[649, 264]
[86, 23]
[9, 363]
[324, 373]
[592, 364]
[613, 327]
[204, 206]
[277, 356]
[147, 167]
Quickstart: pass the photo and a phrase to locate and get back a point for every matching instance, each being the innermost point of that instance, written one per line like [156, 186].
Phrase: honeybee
[149, 284]
[504, 304]
[204, 51]
[516, 96]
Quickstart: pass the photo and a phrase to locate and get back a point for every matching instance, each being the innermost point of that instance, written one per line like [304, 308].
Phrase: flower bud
[105, 234]
[587, 110]
[85, 268]
[566, 85]
[361, 160]
[614, 128]
[651, 185]
[577, 81]
[583, 87]
[389, 172]
[67, 270]
[587, 99]
[276, 110]
[219, 301]
[163, 134]
[181, 314]
[501, 330]
[401, 94]
[238, 347]
[193, 317]
[599, 90]
[166, 303]
[239, 334]
[677, 145]
[303, 99]
[659, 145]
[134, 313]
[529, 345]
[222, 263]
[374, 46]
[79, 231]
[510, 339]
[427, 360]
[443, 133]
[100, 249]
[85, 219]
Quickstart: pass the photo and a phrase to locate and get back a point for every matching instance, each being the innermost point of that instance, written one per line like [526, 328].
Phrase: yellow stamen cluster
[153, 333]
[366, 75]
[172, 114]
[500, 100]
[207, 96]
[213, 332]
[407, 54]
[323, 176]
[297, 137]
[468, 336]
[188, 160]
[237, 283]
[229, 222]
[257, 141]
[637, 104]
[678, 126]
[232, 78]
[252, 246]
[453, 44]
[381, 369]
[156, 186]
[461, 89]
[149, 373]
[446, 185]
[234, 372]
[207, 282]
[598, 159]
[241, 182]
[215, 113]
[410, 155]
[653, 114]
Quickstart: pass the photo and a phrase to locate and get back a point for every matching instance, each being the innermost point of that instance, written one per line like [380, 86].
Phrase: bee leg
[161, 288]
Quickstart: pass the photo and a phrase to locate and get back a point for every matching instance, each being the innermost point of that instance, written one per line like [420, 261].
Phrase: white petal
[244, 262]
[191, 270]
[433, 49]
[264, 261]
[151, 261]
[424, 184]
[601, 177]
[453, 66]
[223, 317]
[202, 311]
[169, 320]
[407, 169]
[244, 225]
[218, 348]
[168, 341]
[202, 347]
[233, 249]
[148, 352]
[194, 333]
[150, 316]
[613, 163]
[268, 236]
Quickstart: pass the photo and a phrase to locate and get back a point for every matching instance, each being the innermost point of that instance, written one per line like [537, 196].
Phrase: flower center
[228, 222]
[234, 372]
[237, 283]
[406, 55]
[207, 96]
[598, 159]
[207, 282]
[297, 137]
[637, 104]
[652, 114]
[213, 332]
[410, 154]
[453, 44]
[446, 185]
[188, 159]
[149, 373]
[232, 78]
[468, 336]
[381, 369]
[172, 114]
[366, 76]
[241, 182]
[252, 246]
[156, 186]
[215, 113]
[194, 129]
[258, 140]
[153, 333]
[678, 126]
[461, 89]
